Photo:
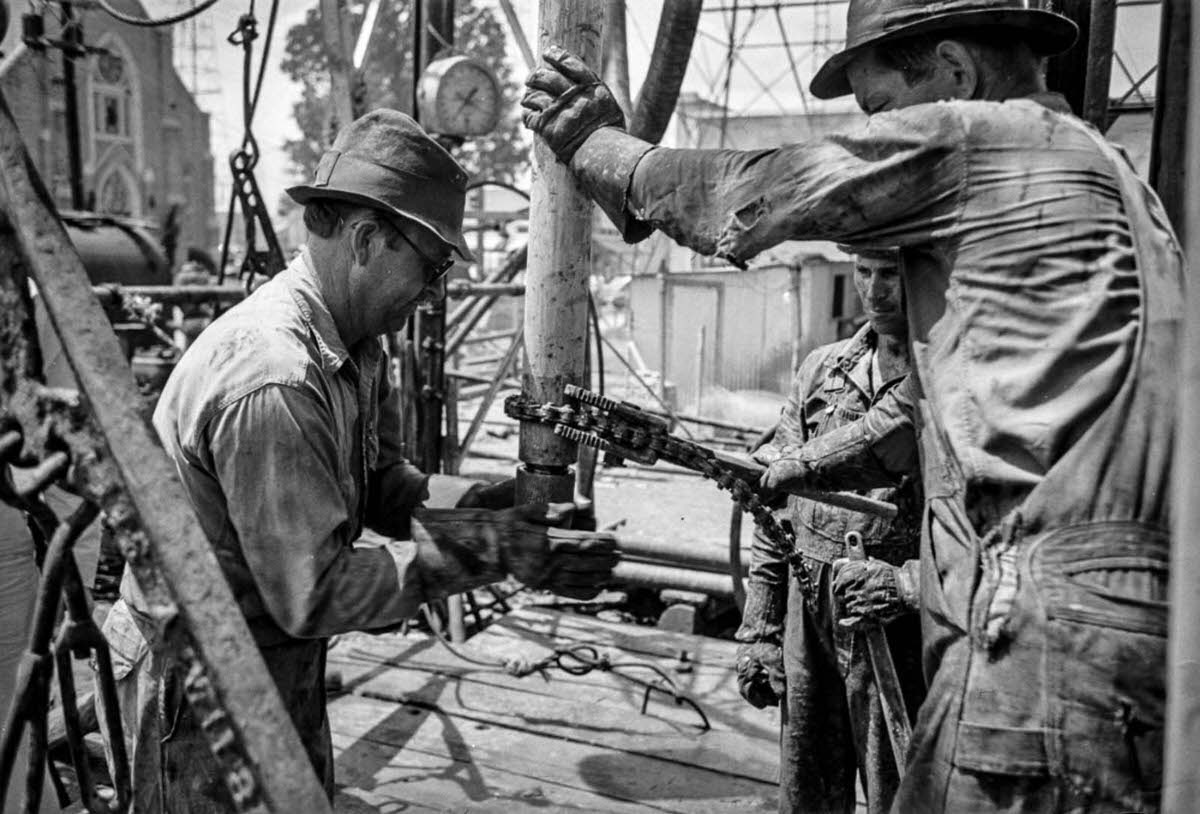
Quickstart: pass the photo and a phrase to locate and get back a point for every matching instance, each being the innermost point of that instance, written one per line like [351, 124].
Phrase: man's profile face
[877, 281]
[878, 88]
[396, 278]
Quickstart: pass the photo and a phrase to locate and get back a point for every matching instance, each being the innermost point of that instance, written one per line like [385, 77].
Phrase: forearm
[875, 451]
[896, 180]
[369, 586]
[766, 593]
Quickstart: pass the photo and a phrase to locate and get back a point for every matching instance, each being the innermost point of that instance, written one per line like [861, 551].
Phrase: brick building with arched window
[144, 143]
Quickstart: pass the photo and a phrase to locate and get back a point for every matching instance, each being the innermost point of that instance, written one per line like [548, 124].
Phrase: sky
[766, 76]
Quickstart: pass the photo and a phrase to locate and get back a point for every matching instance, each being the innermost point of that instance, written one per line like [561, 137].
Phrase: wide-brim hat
[870, 22]
[385, 160]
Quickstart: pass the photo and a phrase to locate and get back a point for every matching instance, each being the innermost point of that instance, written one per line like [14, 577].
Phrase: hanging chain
[245, 192]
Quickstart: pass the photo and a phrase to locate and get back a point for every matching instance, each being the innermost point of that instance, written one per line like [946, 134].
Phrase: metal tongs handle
[752, 471]
[851, 501]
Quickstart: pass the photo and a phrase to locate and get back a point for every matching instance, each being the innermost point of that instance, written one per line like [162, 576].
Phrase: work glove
[574, 564]
[461, 549]
[760, 675]
[784, 471]
[871, 591]
[500, 495]
[566, 102]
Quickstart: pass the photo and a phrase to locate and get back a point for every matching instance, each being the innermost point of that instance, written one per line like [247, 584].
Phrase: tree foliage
[500, 155]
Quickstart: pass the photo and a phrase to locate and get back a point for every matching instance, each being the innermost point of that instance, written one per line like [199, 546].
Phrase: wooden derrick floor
[418, 729]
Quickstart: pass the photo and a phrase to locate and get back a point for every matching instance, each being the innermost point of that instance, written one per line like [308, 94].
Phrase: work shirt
[834, 386]
[1044, 292]
[287, 443]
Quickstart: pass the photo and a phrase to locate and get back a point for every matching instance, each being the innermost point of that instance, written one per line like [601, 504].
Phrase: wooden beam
[556, 294]
[335, 30]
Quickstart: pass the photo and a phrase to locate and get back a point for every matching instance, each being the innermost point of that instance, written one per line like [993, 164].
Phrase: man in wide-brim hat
[1044, 289]
[285, 432]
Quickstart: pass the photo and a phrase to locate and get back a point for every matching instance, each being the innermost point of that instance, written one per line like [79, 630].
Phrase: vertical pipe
[614, 67]
[556, 286]
[1168, 145]
[418, 26]
[1103, 28]
[437, 34]
[1181, 779]
[436, 30]
[73, 34]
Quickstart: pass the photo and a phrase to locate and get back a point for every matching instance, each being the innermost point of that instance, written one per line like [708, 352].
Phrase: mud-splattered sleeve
[894, 182]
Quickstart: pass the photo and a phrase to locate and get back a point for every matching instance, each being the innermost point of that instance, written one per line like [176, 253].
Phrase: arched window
[115, 129]
[117, 194]
[113, 102]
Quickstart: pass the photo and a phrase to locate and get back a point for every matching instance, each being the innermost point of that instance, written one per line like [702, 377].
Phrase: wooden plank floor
[419, 729]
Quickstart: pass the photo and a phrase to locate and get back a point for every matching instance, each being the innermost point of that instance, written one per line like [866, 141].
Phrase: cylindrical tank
[117, 250]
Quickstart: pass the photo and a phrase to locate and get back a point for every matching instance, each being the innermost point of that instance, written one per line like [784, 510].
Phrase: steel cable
[147, 22]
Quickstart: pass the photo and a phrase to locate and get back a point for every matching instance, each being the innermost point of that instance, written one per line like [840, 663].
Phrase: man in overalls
[1044, 290]
[804, 652]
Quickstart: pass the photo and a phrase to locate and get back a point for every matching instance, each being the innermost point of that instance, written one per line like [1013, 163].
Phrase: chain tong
[624, 431]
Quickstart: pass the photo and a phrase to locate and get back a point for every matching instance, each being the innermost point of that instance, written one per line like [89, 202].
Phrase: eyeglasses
[434, 269]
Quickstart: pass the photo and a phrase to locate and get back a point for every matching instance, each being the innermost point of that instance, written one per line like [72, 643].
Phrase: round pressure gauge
[459, 96]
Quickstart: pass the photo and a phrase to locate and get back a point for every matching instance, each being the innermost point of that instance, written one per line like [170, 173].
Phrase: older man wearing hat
[285, 431]
[1044, 305]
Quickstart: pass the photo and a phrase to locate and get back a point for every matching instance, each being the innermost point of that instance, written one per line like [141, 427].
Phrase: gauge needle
[466, 102]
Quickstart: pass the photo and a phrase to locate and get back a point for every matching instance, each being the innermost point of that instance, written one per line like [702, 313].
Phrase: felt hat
[870, 22]
[385, 160]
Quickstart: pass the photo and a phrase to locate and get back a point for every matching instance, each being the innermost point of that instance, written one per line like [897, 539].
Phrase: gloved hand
[566, 102]
[786, 472]
[574, 564]
[489, 495]
[760, 673]
[872, 592]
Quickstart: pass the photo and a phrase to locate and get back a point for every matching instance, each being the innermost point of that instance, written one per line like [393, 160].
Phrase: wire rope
[148, 22]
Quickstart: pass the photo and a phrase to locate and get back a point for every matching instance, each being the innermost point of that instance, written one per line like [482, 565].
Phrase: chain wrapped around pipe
[623, 430]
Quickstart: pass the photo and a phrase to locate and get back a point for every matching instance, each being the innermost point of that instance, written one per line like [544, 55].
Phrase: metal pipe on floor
[556, 295]
[660, 577]
[679, 554]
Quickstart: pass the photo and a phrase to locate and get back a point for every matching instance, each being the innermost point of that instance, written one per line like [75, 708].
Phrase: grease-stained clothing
[832, 726]
[1044, 288]
[287, 443]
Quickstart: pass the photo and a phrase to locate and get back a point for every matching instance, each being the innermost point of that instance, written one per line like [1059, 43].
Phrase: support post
[72, 34]
[335, 29]
[1168, 149]
[435, 31]
[1081, 74]
[1181, 777]
[556, 286]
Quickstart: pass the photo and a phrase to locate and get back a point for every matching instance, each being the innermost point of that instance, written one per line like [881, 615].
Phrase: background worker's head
[905, 52]
[384, 220]
[881, 290]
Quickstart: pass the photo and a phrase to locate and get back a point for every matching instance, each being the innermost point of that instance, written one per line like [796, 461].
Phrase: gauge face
[465, 97]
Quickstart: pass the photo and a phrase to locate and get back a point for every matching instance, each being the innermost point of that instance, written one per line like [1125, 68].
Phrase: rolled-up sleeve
[894, 182]
[275, 457]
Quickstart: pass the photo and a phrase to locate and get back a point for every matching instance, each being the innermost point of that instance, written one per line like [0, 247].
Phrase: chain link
[609, 425]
